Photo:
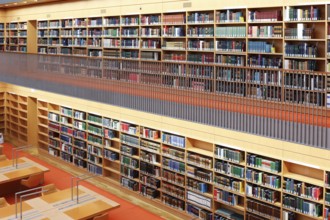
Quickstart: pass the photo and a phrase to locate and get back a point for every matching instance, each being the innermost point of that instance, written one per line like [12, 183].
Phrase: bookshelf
[2, 36]
[230, 37]
[195, 50]
[183, 173]
[12, 37]
[42, 114]
[16, 113]
[200, 50]
[304, 40]
[2, 112]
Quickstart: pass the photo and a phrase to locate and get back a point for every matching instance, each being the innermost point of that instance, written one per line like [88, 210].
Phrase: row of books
[263, 178]
[200, 45]
[200, 160]
[302, 189]
[230, 31]
[149, 192]
[173, 177]
[199, 199]
[301, 32]
[264, 16]
[94, 139]
[173, 140]
[127, 139]
[229, 169]
[226, 214]
[264, 61]
[79, 153]
[302, 14]
[302, 206]
[150, 32]
[95, 119]
[197, 185]
[150, 181]
[201, 17]
[130, 184]
[301, 50]
[200, 31]
[149, 169]
[230, 45]
[300, 64]
[229, 16]
[230, 60]
[150, 19]
[111, 155]
[149, 157]
[94, 169]
[261, 47]
[150, 146]
[173, 202]
[199, 173]
[173, 190]
[199, 212]
[128, 150]
[94, 150]
[265, 31]
[79, 143]
[265, 210]
[173, 153]
[129, 161]
[263, 193]
[130, 20]
[226, 197]
[263, 163]
[95, 130]
[129, 172]
[229, 183]
[174, 165]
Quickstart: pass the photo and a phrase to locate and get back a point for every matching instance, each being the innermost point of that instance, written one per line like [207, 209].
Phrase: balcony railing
[292, 105]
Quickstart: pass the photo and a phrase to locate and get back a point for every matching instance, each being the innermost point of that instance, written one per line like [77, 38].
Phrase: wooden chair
[50, 188]
[3, 157]
[101, 217]
[3, 202]
[33, 180]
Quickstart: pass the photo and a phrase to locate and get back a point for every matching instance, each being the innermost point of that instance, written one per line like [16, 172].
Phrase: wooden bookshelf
[2, 37]
[16, 113]
[173, 169]
[2, 112]
[194, 49]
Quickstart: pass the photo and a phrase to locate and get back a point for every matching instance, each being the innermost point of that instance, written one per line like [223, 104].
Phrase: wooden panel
[61, 195]
[10, 210]
[88, 210]
[32, 37]
[32, 127]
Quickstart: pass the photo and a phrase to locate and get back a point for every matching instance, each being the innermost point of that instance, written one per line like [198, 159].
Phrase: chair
[33, 180]
[48, 189]
[3, 202]
[101, 217]
[3, 157]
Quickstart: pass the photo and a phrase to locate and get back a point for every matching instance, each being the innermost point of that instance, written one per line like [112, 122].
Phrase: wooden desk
[25, 168]
[59, 206]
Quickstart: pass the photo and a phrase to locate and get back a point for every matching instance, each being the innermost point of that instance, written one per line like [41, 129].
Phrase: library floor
[60, 174]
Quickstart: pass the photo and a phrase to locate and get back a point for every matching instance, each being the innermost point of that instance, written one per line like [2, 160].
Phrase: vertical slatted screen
[282, 104]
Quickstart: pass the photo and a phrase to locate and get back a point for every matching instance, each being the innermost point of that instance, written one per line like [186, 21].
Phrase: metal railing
[79, 178]
[14, 154]
[291, 105]
[36, 190]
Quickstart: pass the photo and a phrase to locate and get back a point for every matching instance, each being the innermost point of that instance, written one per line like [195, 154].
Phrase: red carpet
[62, 181]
